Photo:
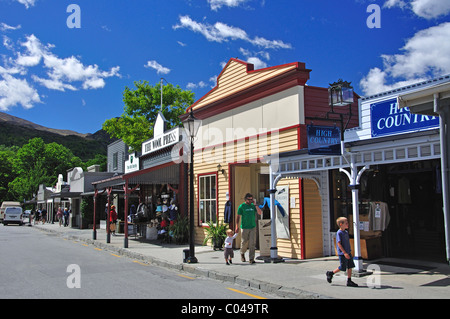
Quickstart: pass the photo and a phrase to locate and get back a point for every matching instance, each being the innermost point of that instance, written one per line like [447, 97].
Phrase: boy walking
[344, 252]
[229, 254]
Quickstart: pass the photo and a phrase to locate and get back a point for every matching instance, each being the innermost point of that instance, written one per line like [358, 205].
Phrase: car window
[13, 210]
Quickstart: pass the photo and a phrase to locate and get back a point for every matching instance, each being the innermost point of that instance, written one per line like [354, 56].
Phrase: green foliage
[180, 230]
[38, 163]
[85, 148]
[7, 174]
[87, 210]
[217, 233]
[141, 109]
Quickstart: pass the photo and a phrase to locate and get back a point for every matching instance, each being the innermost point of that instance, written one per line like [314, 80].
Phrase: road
[34, 264]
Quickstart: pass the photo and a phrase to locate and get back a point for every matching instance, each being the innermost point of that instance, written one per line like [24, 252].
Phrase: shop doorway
[312, 220]
[412, 194]
[416, 227]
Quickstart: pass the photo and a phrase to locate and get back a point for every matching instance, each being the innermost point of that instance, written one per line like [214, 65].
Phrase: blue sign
[324, 140]
[388, 119]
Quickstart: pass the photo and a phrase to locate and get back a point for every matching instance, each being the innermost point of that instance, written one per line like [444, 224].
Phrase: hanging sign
[387, 119]
[324, 140]
[132, 164]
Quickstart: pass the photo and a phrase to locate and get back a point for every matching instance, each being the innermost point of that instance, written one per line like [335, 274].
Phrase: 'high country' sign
[388, 119]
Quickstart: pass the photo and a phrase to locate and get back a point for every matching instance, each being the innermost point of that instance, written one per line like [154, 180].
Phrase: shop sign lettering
[324, 140]
[161, 141]
[388, 119]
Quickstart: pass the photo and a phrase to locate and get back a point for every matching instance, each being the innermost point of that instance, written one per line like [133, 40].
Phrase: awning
[168, 173]
[422, 101]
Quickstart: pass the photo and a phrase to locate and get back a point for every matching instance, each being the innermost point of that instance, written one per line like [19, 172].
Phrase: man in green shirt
[246, 219]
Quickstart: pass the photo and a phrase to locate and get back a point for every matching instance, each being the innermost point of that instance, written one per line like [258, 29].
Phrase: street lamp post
[191, 126]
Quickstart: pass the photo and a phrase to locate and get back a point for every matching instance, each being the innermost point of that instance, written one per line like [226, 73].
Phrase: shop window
[207, 198]
[115, 161]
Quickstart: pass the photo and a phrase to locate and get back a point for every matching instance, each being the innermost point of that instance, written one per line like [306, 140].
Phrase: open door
[241, 186]
[312, 220]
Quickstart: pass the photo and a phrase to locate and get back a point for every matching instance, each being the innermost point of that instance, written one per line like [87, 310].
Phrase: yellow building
[250, 114]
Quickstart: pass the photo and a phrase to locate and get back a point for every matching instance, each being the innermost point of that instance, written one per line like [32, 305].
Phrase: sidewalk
[393, 278]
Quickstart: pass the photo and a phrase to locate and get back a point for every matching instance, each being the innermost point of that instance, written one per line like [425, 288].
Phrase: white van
[7, 204]
[13, 215]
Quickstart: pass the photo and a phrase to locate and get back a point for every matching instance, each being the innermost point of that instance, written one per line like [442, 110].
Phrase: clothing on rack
[378, 216]
[277, 204]
[228, 213]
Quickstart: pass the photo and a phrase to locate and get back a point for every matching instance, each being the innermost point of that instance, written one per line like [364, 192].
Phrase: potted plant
[217, 234]
[180, 230]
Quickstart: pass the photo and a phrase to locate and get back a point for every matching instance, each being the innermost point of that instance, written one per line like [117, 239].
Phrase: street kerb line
[246, 293]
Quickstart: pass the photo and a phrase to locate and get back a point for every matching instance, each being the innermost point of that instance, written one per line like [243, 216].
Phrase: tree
[142, 105]
[38, 163]
[7, 155]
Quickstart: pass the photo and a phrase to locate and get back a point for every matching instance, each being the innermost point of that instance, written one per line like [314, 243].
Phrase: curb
[278, 290]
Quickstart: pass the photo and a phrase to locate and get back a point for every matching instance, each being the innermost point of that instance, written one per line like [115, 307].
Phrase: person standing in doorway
[246, 220]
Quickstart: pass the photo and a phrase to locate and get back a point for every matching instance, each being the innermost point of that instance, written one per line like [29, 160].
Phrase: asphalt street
[43, 265]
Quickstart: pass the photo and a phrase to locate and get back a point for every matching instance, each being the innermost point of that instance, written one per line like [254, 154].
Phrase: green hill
[15, 131]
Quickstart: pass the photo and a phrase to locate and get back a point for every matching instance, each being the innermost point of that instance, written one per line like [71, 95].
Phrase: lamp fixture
[220, 169]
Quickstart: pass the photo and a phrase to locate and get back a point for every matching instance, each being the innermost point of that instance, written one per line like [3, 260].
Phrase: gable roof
[238, 76]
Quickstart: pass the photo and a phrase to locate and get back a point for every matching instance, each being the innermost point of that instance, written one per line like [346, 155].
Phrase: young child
[344, 252]
[229, 254]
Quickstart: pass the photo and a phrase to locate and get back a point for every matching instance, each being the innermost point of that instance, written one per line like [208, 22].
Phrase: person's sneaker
[350, 283]
[251, 261]
[230, 261]
[242, 257]
[329, 276]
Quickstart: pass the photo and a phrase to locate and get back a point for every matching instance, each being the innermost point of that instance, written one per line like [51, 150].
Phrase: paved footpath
[305, 279]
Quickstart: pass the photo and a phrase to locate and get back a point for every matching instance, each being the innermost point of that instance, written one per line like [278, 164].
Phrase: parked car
[13, 215]
[7, 204]
[26, 214]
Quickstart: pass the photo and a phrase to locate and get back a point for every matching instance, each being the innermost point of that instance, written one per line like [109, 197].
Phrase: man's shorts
[346, 263]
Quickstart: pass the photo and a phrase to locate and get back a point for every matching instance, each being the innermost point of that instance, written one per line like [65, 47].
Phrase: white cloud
[191, 85]
[428, 9]
[5, 27]
[15, 91]
[255, 57]
[221, 32]
[62, 73]
[257, 62]
[158, 67]
[217, 4]
[27, 3]
[425, 55]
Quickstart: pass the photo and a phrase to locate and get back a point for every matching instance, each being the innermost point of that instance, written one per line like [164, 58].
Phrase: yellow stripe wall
[248, 152]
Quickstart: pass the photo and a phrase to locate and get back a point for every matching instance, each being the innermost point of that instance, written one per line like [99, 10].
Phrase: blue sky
[73, 78]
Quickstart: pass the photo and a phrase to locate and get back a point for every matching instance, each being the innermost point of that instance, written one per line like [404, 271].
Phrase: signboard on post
[324, 140]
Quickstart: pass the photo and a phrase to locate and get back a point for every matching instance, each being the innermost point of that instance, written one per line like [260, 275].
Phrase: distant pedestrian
[44, 216]
[229, 253]
[37, 216]
[66, 216]
[60, 216]
[112, 220]
[246, 219]
[344, 252]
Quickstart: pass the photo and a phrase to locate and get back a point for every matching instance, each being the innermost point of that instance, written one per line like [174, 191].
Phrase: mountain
[17, 131]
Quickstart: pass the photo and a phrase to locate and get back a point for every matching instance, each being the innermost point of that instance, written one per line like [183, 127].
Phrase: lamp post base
[192, 260]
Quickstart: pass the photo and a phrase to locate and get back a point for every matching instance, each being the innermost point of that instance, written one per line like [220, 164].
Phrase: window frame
[211, 201]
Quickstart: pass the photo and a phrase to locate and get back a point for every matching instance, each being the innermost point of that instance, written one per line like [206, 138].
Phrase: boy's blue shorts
[346, 263]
